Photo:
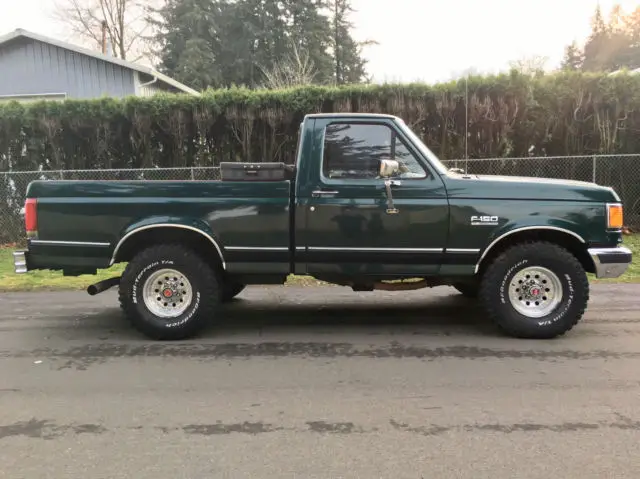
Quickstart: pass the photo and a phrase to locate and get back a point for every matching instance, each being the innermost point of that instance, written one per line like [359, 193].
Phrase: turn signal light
[615, 216]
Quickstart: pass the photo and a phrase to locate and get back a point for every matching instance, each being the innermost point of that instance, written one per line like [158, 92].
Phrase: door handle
[318, 193]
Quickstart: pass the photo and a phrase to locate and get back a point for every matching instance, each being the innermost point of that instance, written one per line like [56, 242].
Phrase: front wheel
[168, 292]
[535, 290]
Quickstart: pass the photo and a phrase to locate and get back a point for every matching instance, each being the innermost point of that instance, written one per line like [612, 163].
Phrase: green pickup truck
[367, 205]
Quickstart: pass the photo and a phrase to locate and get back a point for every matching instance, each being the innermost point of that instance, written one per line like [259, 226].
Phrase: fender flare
[151, 224]
[510, 232]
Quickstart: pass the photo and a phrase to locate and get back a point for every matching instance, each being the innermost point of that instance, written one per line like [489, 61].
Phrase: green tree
[188, 41]
[612, 44]
[349, 64]
[214, 43]
[572, 57]
[595, 50]
[310, 35]
[255, 38]
[630, 57]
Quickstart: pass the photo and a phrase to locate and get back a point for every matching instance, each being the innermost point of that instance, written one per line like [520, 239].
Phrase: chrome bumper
[610, 262]
[20, 262]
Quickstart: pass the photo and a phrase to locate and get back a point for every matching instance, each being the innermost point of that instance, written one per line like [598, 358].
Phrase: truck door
[351, 226]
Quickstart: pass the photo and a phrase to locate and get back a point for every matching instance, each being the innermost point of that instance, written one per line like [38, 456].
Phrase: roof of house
[98, 55]
[632, 72]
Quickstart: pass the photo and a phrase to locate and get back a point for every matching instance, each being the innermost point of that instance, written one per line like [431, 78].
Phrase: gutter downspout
[142, 85]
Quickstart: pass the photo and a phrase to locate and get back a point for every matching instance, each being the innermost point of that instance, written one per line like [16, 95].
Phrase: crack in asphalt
[334, 428]
[48, 430]
[311, 349]
[220, 428]
[431, 430]
[84, 356]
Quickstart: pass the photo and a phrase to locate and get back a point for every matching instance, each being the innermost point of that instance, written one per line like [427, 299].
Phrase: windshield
[433, 159]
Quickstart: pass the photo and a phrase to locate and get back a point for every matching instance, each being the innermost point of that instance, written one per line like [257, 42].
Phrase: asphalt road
[318, 383]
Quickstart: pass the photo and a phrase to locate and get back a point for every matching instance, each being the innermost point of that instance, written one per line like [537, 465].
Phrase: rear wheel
[535, 290]
[168, 292]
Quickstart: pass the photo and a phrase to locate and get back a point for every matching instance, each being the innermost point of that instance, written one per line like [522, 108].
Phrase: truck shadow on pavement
[278, 324]
[362, 314]
[365, 314]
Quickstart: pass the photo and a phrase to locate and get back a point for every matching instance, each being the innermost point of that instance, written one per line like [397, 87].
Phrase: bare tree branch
[530, 65]
[296, 69]
[126, 23]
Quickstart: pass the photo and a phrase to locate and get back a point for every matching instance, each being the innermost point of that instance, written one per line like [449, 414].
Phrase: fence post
[192, 174]
[594, 168]
[61, 174]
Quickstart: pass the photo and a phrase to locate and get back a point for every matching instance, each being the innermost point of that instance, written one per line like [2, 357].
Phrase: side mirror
[388, 168]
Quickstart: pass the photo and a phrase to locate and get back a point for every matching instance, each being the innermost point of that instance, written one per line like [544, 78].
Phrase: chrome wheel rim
[167, 293]
[535, 292]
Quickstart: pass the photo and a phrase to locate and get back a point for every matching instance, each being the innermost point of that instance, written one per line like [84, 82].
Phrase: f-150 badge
[484, 221]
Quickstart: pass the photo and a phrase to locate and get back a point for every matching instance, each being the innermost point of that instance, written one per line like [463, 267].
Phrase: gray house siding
[30, 67]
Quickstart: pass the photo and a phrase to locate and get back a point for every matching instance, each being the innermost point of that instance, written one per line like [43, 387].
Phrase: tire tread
[493, 276]
[209, 291]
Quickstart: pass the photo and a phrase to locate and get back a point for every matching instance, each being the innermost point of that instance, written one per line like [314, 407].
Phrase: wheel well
[198, 242]
[565, 240]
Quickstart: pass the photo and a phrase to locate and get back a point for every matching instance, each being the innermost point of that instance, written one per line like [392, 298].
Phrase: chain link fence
[13, 188]
[622, 172]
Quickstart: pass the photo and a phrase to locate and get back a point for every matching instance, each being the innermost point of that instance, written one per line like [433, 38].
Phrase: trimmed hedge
[559, 114]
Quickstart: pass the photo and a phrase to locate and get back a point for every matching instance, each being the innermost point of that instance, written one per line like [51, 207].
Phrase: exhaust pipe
[103, 286]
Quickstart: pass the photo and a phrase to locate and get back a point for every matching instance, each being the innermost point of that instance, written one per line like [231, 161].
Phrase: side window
[354, 151]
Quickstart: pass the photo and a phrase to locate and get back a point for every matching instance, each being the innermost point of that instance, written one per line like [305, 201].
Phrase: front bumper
[20, 262]
[611, 262]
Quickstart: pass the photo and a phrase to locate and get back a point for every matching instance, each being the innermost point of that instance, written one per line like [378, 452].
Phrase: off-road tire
[468, 290]
[230, 290]
[573, 279]
[205, 285]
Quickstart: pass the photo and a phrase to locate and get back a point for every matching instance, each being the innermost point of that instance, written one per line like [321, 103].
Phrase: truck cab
[354, 217]
[367, 205]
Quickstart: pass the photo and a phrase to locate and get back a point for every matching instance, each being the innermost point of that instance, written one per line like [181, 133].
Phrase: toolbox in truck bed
[230, 171]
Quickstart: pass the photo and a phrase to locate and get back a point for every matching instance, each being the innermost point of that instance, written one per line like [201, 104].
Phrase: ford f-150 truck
[367, 205]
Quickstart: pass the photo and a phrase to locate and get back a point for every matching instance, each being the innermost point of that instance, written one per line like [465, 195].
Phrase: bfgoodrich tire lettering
[494, 291]
[204, 295]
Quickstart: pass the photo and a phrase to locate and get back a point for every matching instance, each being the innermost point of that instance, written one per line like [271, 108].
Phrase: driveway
[318, 383]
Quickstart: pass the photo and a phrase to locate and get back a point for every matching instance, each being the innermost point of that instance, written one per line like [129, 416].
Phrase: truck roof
[350, 115]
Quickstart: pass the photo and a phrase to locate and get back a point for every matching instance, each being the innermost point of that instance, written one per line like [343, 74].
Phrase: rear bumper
[70, 258]
[611, 262]
[20, 262]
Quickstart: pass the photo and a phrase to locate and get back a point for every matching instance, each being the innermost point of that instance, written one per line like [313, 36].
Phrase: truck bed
[87, 219]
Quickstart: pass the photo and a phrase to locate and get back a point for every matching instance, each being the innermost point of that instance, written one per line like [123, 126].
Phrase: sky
[422, 40]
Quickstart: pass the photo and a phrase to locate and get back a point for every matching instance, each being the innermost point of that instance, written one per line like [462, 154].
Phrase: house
[630, 72]
[35, 67]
